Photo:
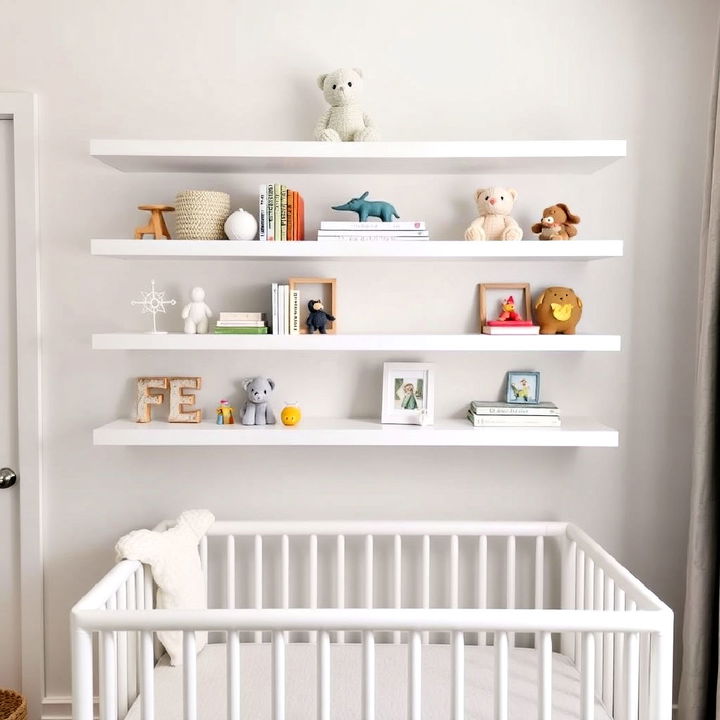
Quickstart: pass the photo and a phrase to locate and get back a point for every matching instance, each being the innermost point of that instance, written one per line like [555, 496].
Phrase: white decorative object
[196, 313]
[153, 302]
[408, 396]
[182, 402]
[241, 225]
[175, 563]
[344, 120]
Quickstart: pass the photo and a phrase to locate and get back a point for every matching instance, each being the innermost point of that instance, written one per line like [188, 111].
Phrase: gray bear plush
[318, 318]
[256, 410]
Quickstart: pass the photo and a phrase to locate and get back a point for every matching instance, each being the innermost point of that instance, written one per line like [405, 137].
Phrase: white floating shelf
[338, 250]
[239, 156]
[575, 432]
[375, 343]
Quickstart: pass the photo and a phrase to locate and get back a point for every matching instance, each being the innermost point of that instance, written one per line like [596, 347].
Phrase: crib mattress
[391, 684]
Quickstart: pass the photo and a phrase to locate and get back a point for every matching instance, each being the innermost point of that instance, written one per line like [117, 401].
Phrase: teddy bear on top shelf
[344, 120]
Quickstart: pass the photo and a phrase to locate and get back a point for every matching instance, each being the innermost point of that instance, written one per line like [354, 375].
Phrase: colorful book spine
[241, 331]
[294, 312]
[270, 212]
[290, 214]
[301, 217]
[283, 212]
[278, 211]
[262, 209]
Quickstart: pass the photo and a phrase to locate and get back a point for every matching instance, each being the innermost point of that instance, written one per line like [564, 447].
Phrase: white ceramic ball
[241, 225]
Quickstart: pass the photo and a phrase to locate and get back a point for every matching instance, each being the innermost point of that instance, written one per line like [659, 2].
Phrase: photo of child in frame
[409, 394]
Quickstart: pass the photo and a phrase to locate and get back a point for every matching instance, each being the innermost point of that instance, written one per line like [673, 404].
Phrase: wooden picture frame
[512, 287]
[295, 284]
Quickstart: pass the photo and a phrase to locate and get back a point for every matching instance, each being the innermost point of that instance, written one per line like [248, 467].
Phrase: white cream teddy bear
[344, 120]
[494, 223]
[196, 313]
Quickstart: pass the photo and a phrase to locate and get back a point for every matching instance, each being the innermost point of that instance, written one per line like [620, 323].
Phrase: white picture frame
[408, 396]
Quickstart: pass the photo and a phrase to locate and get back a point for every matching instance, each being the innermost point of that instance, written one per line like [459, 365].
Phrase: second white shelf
[470, 342]
[575, 432]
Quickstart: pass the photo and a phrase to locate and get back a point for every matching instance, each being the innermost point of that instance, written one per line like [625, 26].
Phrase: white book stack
[369, 231]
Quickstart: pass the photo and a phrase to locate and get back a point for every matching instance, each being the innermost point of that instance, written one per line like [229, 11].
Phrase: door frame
[21, 109]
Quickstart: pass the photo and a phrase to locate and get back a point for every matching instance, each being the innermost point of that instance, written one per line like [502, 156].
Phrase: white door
[9, 496]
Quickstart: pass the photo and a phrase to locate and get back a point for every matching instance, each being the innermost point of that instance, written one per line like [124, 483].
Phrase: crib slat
[644, 682]
[454, 573]
[458, 676]
[539, 572]
[131, 644]
[587, 679]
[340, 581]
[258, 555]
[568, 599]
[608, 649]
[368, 676]
[619, 660]
[285, 562]
[313, 578]
[122, 656]
[233, 675]
[579, 602]
[108, 674]
[323, 675]
[426, 578]
[278, 675]
[510, 580]
[230, 573]
[414, 675]
[368, 571]
[502, 671]
[482, 582]
[544, 654]
[599, 604]
[632, 645]
[189, 676]
[397, 579]
[147, 676]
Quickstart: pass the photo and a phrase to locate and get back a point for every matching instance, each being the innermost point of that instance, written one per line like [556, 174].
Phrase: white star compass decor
[153, 302]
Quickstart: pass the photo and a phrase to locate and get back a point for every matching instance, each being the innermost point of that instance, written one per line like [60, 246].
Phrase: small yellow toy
[290, 415]
[224, 414]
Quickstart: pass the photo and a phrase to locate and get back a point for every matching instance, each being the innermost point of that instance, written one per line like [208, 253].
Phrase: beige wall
[457, 70]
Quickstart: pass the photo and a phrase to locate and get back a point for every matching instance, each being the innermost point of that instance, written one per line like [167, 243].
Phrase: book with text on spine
[262, 209]
[489, 407]
[369, 225]
[241, 316]
[270, 212]
[294, 312]
[283, 212]
[513, 420]
[240, 331]
[277, 190]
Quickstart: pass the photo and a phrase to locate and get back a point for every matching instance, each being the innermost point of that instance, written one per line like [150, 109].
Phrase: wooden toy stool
[156, 226]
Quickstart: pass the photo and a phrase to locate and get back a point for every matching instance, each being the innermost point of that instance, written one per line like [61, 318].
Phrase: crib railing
[617, 631]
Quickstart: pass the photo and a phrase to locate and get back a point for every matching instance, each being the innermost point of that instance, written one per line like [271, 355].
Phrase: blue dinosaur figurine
[369, 208]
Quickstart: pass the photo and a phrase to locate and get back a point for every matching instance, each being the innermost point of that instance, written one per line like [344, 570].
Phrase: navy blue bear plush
[318, 318]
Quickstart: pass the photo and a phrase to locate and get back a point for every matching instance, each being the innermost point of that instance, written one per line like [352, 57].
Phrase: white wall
[456, 70]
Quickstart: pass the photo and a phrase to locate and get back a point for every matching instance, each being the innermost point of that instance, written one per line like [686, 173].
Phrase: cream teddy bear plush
[344, 120]
[494, 223]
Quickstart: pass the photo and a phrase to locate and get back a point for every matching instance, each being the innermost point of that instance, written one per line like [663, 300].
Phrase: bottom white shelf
[575, 432]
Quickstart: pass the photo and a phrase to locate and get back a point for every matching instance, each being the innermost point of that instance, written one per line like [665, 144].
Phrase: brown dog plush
[557, 223]
[558, 310]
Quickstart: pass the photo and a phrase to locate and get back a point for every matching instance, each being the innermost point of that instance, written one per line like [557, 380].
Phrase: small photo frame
[315, 288]
[408, 393]
[493, 297]
[523, 387]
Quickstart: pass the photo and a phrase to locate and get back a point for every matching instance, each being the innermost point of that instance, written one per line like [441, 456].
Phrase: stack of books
[410, 230]
[241, 323]
[282, 213]
[285, 310]
[490, 413]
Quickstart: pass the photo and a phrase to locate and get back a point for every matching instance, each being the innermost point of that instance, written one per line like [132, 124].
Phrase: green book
[240, 331]
[277, 212]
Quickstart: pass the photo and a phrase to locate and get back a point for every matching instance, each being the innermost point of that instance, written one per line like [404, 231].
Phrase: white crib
[415, 588]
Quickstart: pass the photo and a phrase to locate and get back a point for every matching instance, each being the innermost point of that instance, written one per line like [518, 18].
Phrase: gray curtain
[699, 686]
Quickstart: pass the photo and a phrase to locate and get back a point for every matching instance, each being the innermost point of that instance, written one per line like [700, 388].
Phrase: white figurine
[196, 313]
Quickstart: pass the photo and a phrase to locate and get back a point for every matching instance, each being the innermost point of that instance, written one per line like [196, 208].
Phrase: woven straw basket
[201, 215]
[12, 705]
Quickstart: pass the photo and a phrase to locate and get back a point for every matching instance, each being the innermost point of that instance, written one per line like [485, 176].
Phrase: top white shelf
[451, 157]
